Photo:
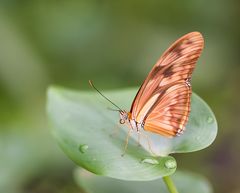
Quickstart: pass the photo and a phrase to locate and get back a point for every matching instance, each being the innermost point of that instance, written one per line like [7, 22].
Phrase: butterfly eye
[121, 121]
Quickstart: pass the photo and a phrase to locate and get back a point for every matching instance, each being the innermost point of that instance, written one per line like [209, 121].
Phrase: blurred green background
[114, 43]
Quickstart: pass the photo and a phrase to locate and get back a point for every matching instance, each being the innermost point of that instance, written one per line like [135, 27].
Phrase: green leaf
[185, 182]
[83, 126]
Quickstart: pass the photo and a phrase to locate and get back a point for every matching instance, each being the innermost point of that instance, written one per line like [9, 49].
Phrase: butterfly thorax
[126, 118]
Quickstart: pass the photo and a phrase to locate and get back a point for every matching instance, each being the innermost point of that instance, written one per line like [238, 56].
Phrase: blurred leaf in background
[185, 181]
[114, 43]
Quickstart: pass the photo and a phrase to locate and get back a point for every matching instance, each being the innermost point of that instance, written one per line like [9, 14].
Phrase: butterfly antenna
[111, 109]
[92, 85]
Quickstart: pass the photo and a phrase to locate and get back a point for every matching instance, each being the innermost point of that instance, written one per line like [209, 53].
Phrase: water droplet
[198, 138]
[209, 119]
[150, 161]
[170, 164]
[83, 148]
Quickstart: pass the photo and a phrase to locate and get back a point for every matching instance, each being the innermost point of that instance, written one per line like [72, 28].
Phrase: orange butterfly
[162, 104]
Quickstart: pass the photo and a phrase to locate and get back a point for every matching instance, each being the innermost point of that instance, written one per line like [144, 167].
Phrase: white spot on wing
[146, 107]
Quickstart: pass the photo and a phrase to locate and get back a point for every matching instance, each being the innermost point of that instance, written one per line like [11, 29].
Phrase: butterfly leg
[116, 130]
[149, 144]
[126, 142]
[139, 137]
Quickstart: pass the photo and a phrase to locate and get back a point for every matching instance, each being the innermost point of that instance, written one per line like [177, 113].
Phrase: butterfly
[162, 104]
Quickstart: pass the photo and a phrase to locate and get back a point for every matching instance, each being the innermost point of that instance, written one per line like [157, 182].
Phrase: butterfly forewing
[163, 101]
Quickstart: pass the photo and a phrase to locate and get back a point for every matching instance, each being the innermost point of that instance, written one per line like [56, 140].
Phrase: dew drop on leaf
[150, 161]
[170, 164]
[198, 138]
[83, 148]
[209, 119]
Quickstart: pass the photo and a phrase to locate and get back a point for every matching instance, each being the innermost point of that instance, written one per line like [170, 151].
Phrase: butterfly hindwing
[169, 114]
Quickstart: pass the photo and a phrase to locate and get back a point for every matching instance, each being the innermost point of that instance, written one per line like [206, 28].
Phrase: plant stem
[170, 185]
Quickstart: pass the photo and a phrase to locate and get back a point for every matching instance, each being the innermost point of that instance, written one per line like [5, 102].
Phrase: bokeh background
[115, 43]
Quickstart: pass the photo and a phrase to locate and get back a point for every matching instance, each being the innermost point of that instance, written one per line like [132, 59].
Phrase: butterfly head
[123, 116]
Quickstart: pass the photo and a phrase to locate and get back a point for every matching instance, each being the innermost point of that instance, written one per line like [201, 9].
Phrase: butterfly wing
[163, 101]
[169, 114]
